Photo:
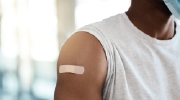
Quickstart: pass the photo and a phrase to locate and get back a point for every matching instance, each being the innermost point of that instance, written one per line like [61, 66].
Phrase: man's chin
[163, 8]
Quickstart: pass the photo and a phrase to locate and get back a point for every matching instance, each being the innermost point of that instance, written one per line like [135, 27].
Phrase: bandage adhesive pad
[71, 69]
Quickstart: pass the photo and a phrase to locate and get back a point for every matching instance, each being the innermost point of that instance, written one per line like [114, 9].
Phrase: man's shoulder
[82, 49]
[114, 19]
[106, 26]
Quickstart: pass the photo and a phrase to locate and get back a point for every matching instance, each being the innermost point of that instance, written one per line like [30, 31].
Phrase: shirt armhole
[108, 48]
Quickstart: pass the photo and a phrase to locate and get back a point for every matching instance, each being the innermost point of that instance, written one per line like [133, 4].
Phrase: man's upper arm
[81, 49]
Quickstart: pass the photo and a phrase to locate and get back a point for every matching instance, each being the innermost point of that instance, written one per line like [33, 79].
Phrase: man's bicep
[85, 50]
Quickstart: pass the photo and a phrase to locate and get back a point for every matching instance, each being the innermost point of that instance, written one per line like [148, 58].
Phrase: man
[129, 56]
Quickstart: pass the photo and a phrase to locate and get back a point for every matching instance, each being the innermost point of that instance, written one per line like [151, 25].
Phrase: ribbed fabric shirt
[140, 67]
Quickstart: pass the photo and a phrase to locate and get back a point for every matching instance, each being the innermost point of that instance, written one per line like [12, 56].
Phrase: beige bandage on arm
[71, 69]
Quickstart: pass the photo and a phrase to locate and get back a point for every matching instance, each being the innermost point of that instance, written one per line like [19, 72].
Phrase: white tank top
[140, 67]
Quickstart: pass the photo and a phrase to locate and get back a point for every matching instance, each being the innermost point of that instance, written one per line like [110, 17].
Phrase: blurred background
[31, 35]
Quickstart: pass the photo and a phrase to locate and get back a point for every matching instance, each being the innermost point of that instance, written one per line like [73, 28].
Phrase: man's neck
[151, 20]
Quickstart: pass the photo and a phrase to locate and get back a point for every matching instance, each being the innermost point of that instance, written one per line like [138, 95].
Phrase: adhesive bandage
[71, 69]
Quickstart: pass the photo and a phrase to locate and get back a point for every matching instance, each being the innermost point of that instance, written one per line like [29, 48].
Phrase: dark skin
[83, 49]
[153, 18]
